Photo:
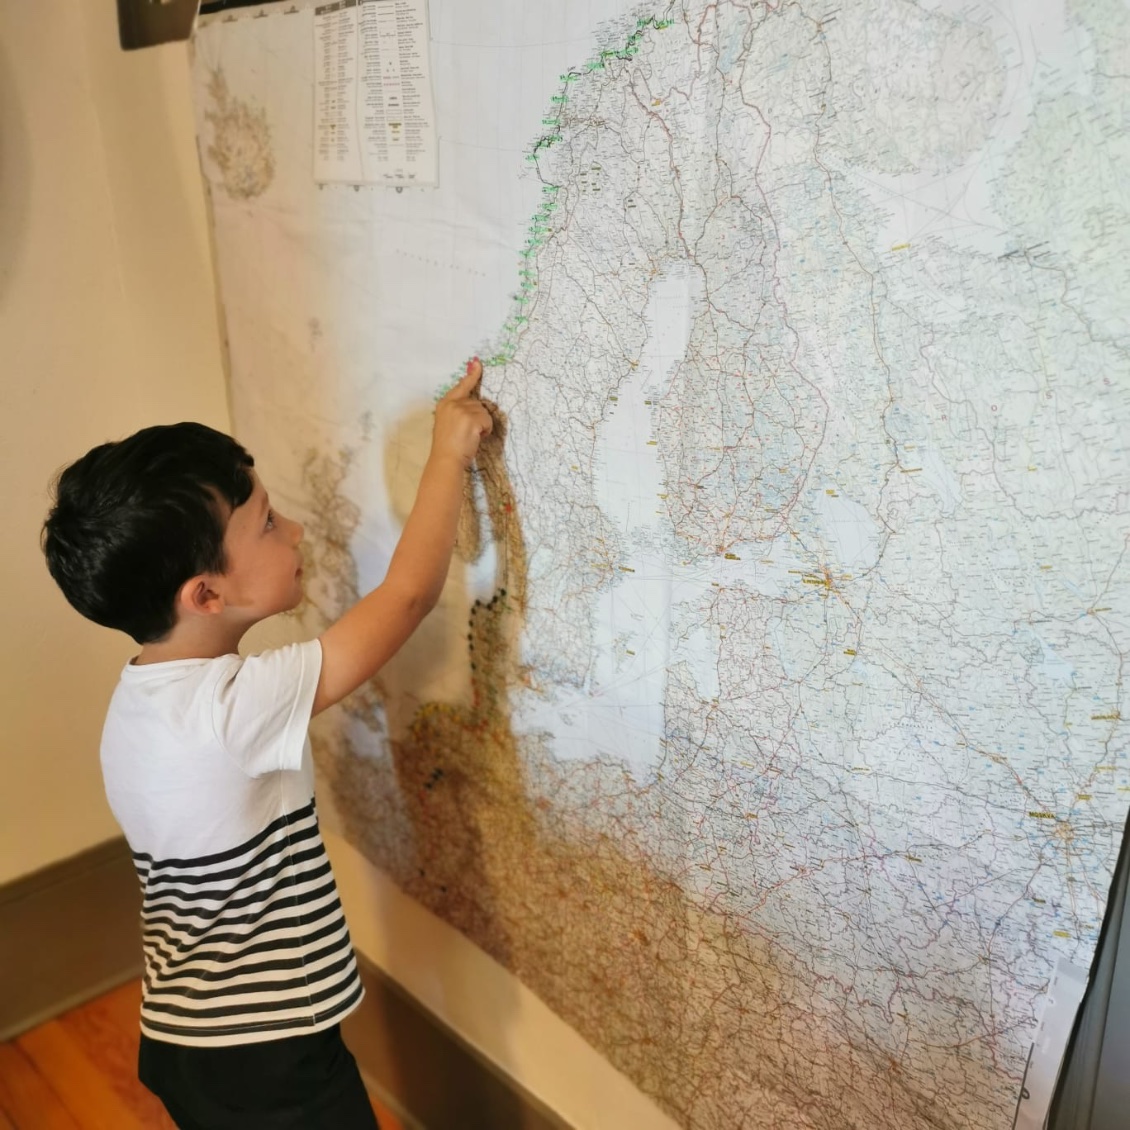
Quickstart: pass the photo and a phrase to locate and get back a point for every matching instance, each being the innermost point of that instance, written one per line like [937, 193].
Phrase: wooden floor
[79, 1072]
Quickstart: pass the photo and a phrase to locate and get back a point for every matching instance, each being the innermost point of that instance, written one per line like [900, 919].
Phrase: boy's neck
[198, 638]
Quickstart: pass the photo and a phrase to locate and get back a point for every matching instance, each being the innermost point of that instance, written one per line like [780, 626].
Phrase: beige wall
[107, 324]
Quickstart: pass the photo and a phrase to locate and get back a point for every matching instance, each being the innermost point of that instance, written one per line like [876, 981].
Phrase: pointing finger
[468, 382]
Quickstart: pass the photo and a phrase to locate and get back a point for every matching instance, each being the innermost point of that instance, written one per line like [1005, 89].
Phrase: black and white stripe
[249, 940]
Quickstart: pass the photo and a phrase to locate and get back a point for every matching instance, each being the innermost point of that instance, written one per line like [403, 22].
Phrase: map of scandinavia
[788, 755]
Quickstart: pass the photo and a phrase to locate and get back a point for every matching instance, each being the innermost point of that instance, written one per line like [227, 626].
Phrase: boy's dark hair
[133, 520]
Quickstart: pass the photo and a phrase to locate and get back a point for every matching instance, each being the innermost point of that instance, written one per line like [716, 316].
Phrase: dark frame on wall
[145, 23]
[208, 7]
[1093, 1090]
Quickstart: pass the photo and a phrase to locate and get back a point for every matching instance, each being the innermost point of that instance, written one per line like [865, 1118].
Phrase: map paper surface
[770, 727]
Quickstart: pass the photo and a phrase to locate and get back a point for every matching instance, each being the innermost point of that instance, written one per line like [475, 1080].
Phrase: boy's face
[264, 573]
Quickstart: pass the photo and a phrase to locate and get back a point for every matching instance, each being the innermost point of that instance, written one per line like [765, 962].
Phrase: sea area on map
[618, 710]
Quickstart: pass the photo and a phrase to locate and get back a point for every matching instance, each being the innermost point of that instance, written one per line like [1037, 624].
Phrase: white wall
[107, 324]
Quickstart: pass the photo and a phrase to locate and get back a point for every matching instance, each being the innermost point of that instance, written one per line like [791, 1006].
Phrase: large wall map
[771, 726]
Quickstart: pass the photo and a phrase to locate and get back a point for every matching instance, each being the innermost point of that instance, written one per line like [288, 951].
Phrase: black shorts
[297, 1083]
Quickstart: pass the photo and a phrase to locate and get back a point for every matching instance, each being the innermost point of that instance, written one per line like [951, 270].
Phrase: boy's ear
[198, 596]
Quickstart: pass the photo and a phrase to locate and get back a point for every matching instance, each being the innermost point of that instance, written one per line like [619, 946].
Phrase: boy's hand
[461, 418]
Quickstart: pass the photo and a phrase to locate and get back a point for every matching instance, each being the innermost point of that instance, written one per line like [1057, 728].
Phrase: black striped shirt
[251, 940]
[208, 769]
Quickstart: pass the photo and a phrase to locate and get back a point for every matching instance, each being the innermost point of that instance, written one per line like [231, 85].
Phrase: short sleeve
[261, 707]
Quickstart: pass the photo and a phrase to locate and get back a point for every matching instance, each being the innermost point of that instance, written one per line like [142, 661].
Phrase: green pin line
[540, 227]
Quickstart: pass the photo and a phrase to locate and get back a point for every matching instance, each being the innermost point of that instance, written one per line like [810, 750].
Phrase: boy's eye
[270, 519]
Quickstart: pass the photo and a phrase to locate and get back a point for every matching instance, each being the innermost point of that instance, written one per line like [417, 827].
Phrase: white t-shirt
[208, 770]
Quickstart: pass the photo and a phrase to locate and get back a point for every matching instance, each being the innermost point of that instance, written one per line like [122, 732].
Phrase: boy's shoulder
[254, 708]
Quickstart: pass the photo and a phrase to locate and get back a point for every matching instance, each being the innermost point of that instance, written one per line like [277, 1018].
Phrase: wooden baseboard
[425, 1073]
[67, 933]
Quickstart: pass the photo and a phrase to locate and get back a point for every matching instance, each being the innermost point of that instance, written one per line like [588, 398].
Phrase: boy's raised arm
[357, 645]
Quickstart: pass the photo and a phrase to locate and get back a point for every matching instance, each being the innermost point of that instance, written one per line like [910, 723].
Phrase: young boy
[170, 536]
